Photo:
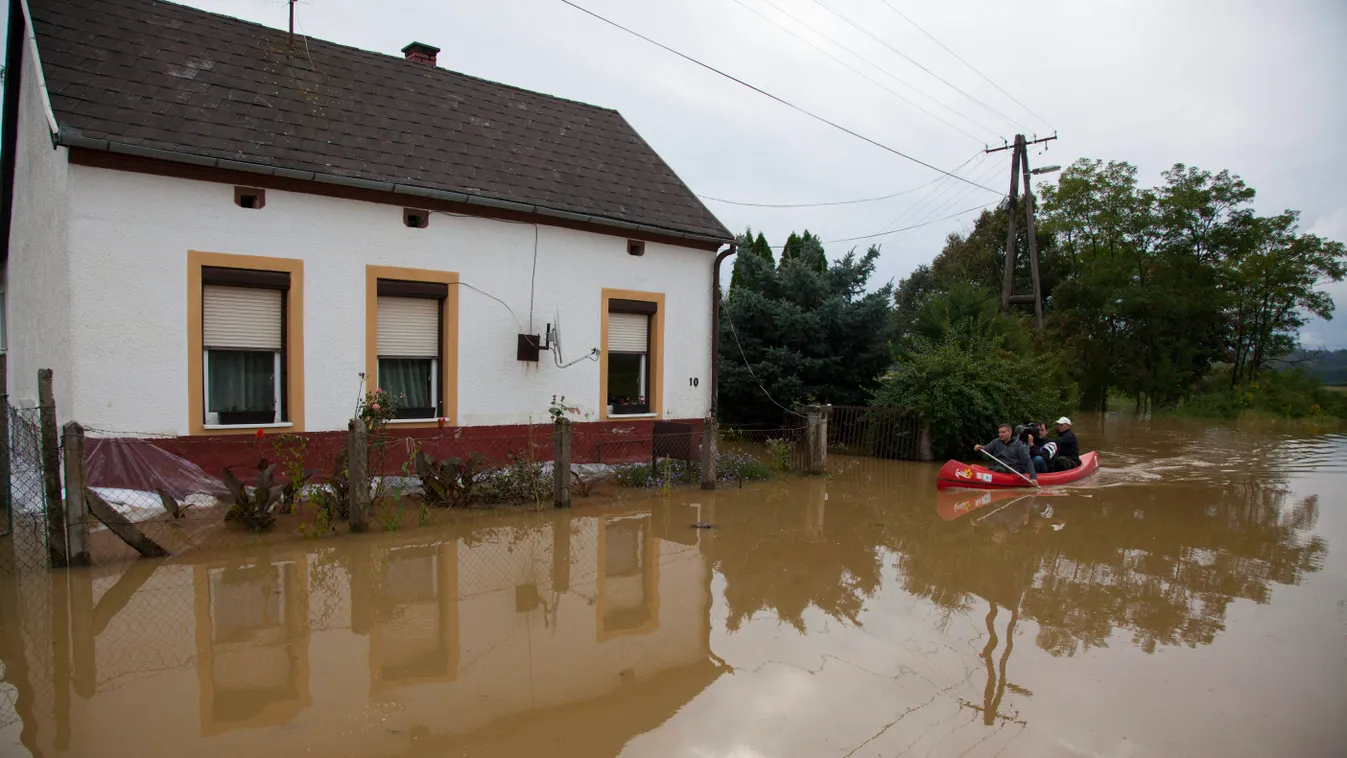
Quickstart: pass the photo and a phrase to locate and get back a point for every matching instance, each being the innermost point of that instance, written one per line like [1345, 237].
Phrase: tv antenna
[554, 344]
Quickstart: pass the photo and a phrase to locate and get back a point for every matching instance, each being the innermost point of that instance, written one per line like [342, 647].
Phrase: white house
[211, 232]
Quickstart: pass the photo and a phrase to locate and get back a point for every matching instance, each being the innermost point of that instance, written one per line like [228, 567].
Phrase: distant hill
[1329, 365]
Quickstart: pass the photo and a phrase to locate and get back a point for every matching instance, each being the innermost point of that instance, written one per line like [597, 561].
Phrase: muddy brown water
[1189, 600]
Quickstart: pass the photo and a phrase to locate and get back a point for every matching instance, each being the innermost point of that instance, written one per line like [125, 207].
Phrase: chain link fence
[24, 546]
[172, 495]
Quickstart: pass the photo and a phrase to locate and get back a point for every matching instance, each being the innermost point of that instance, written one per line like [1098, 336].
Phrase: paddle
[1009, 468]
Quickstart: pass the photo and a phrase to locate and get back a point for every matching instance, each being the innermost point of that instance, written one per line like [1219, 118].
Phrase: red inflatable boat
[972, 476]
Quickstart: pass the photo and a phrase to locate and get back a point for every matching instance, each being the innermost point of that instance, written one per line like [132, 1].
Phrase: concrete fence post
[924, 449]
[561, 463]
[709, 454]
[357, 476]
[51, 471]
[76, 522]
[817, 437]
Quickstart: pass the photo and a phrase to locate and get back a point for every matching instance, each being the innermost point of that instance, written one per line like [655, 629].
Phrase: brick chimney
[421, 53]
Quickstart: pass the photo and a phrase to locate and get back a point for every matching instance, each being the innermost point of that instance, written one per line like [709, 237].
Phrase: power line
[834, 202]
[765, 93]
[903, 229]
[931, 198]
[966, 63]
[868, 62]
[911, 60]
[913, 226]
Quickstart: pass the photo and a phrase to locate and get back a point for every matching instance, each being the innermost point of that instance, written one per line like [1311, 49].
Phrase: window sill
[395, 421]
[282, 425]
[633, 415]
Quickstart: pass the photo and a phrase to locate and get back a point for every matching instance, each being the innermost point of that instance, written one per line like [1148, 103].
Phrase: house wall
[37, 274]
[129, 238]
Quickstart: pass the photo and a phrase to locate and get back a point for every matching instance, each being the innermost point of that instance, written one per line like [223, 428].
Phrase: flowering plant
[558, 409]
[377, 407]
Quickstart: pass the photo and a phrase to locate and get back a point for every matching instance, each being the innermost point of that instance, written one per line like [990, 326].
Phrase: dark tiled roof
[166, 77]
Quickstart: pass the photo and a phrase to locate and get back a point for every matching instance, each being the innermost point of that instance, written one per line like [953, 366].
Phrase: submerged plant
[253, 507]
[450, 482]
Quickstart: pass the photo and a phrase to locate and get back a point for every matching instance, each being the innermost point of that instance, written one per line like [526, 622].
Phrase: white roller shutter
[241, 318]
[409, 327]
[628, 332]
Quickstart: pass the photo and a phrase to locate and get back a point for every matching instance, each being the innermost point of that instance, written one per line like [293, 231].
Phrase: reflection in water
[964, 623]
[252, 644]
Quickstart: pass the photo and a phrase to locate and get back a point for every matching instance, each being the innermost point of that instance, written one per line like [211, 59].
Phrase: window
[633, 348]
[410, 345]
[628, 362]
[243, 339]
[411, 341]
[245, 343]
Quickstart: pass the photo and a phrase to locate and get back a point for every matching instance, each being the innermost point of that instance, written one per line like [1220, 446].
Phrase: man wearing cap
[1068, 449]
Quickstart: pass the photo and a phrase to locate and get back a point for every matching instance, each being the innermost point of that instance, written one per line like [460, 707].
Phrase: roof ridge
[439, 70]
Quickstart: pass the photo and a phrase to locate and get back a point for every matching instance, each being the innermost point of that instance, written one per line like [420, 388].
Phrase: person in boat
[1068, 449]
[1041, 449]
[1010, 450]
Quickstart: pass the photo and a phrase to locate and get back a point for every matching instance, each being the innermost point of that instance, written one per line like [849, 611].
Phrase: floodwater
[1190, 600]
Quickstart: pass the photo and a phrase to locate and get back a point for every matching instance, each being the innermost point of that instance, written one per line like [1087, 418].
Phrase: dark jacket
[1067, 446]
[1016, 454]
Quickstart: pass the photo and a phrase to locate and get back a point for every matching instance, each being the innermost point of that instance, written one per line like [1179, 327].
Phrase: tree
[966, 368]
[807, 249]
[1273, 280]
[800, 335]
[748, 245]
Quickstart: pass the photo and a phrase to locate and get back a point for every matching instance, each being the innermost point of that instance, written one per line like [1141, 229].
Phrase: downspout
[715, 326]
[9, 121]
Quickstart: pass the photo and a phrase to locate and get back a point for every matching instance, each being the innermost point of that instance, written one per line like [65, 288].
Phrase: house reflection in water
[504, 631]
[252, 643]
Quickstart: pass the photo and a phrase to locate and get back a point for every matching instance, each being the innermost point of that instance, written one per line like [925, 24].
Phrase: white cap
[1064, 420]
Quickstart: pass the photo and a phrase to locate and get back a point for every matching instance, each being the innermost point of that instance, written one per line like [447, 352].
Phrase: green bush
[964, 388]
[1290, 393]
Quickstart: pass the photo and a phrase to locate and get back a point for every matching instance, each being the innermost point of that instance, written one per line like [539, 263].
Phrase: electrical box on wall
[528, 348]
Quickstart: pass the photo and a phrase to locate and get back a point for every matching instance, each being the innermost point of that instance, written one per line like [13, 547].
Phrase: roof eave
[66, 139]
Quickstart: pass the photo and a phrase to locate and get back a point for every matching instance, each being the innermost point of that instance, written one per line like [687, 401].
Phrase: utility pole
[1019, 163]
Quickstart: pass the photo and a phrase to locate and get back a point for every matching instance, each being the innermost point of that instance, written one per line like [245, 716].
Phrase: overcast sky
[1248, 85]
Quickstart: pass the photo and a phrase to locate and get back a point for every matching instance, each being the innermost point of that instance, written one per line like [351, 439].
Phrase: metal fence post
[561, 463]
[709, 453]
[51, 471]
[76, 525]
[357, 478]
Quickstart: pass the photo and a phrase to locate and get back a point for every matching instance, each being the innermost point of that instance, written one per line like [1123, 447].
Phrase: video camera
[1022, 431]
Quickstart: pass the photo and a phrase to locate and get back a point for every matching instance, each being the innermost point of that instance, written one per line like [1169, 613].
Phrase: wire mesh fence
[185, 494]
[176, 491]
[25, 546]
[877, 432]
